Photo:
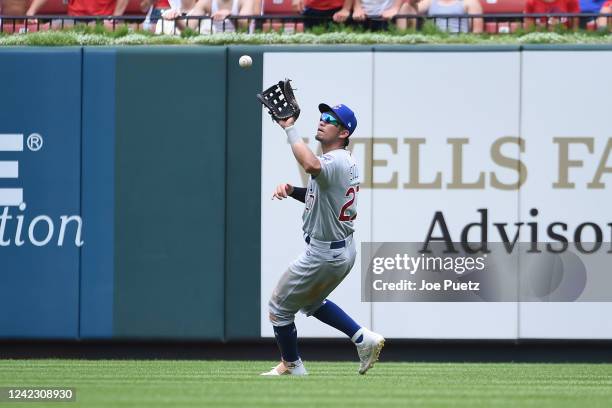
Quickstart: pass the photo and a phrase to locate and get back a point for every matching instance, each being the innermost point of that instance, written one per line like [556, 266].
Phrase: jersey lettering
[310, 201]
[344, 212]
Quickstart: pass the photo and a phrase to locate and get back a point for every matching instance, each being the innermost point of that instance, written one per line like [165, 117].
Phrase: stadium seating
[280, 7]
[502, 7]
[502, 27]
[284, 8]
[284, 27]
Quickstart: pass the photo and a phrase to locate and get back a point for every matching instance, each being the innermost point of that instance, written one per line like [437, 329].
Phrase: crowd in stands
[172, 16]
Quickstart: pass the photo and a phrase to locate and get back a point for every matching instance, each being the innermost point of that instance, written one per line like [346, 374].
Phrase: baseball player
[330, 209]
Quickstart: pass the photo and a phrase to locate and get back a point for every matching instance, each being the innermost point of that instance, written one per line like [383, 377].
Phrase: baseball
[245, 61]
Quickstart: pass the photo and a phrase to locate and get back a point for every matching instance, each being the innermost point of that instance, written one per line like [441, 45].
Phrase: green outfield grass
[237, 384]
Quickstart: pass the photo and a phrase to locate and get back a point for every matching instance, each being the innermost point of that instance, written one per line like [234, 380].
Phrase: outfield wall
[166, 158]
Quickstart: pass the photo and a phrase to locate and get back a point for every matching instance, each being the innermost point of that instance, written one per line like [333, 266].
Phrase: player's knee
[279, 317]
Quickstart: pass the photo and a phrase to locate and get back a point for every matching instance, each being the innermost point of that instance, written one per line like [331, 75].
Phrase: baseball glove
[280, 101]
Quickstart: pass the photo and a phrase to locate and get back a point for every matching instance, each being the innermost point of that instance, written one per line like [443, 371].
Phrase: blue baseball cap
[344, 114]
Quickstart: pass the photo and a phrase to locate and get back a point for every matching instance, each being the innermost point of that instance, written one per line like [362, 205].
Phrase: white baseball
[245, 61]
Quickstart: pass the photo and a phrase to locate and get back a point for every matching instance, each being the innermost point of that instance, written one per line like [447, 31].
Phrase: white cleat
[284, 368]
[369, 348]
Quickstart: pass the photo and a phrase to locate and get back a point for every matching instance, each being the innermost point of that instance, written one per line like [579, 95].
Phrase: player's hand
[286, 123]
[282, 191]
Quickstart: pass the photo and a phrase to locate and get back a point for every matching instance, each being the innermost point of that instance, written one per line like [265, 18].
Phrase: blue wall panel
[98, 195]
[39, 285]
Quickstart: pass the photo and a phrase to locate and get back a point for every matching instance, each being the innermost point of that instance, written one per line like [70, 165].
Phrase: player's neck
[329, 148]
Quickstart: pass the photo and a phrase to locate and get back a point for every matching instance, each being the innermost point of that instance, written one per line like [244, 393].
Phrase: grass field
[156, 383]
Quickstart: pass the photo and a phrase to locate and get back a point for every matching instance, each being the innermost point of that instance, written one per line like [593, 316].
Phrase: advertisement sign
[498, 147]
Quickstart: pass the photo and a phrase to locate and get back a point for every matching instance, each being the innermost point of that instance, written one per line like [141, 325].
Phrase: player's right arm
[301, 151]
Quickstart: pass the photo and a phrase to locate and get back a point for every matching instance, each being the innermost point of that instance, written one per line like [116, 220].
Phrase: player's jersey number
[344, 212]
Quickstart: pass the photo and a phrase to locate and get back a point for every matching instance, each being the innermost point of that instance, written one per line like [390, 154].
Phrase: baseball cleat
[369, 349]
[284, 368]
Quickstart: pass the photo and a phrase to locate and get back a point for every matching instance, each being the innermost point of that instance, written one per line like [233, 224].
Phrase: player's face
[329, 129]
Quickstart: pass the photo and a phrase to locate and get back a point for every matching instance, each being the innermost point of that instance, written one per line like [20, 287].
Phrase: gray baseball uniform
[329, 213]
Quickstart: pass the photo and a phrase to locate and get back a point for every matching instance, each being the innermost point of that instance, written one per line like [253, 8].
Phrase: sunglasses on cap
[328, 118]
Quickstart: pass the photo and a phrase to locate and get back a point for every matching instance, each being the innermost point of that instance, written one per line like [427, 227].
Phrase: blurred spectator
[605, 22]
[153, 10]
[363, 10]
[589, 7]
[13, 7]
[86, 7]
[219, 11]
[338, 10]
[435, 8]
[170, 23]
[552, 6]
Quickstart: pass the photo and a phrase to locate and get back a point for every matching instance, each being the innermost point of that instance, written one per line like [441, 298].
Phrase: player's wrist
[292, 135]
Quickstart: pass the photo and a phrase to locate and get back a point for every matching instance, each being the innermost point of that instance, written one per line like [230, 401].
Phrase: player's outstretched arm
[301, 151]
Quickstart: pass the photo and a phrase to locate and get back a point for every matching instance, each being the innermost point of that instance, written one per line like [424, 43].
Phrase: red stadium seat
[502, 6]
[278, 7]
[502, 27]
[286, 27]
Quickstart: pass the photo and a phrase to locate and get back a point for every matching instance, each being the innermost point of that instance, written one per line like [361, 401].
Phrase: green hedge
[124, 37]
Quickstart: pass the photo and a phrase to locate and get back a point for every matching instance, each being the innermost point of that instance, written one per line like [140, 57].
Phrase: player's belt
[332, 244]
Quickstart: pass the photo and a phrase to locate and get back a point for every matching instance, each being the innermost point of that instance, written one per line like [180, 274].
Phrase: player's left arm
[287, 190]
[301, 151]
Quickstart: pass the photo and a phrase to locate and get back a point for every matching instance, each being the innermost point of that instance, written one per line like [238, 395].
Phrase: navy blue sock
[331, 314]
[286, 338]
